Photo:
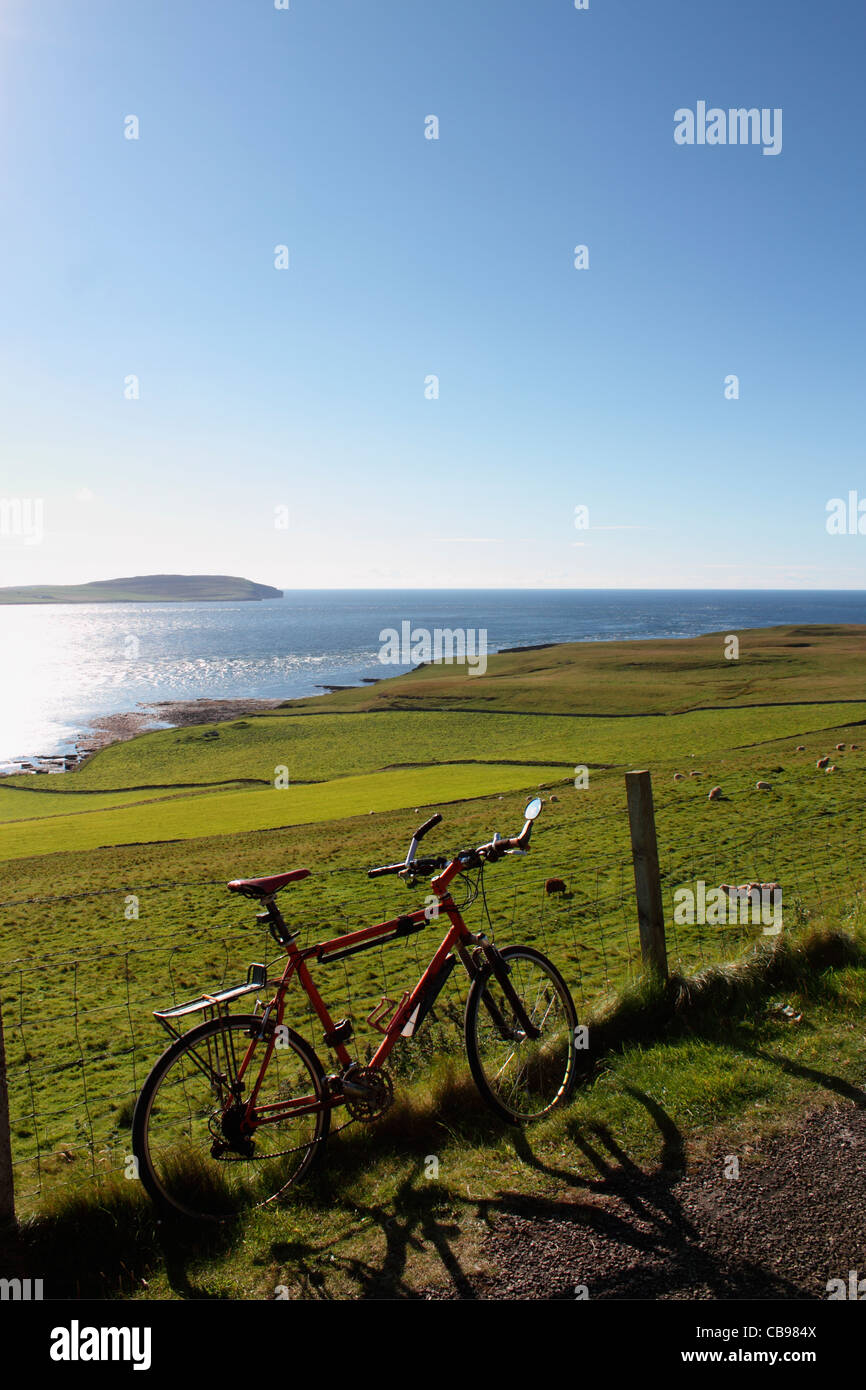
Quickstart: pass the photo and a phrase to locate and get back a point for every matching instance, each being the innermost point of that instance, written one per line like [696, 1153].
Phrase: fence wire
[79, 989]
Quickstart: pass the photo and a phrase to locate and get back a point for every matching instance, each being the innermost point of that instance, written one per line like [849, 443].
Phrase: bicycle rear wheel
[195, 1152]
[520, 1077]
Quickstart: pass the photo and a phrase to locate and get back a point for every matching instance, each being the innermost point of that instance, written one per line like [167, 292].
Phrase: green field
[781, 665]
[333, 746]
[170, 816]
[228, 812]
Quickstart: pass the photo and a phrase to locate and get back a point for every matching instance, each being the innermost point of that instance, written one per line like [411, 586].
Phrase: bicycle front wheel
[521, 1077]
[201, 1148]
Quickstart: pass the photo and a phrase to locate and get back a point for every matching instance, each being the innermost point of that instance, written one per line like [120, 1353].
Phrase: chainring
[371, 1093]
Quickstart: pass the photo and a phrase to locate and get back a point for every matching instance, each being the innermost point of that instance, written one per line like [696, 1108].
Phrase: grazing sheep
[854, 747]
[763, 787]
[553, 798]
[678, 776]
[756, 893]
[839, 747]
[554, 885]
[831, 768]
[823, 762]
[801, 747]
[715, 794]
[695, 774]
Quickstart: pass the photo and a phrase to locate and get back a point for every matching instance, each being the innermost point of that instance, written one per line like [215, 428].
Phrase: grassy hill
[145, 588]
[171, 815]
[775, 665]
[440, 735]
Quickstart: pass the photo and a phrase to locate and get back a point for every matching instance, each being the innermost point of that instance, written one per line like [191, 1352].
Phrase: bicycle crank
[367, 1092]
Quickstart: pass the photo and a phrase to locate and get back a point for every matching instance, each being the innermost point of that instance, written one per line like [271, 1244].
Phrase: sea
[66, 664]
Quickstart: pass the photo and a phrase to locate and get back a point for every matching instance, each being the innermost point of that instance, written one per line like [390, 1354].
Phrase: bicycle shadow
[643, 1215]
[620, 1205]
[411, 1223]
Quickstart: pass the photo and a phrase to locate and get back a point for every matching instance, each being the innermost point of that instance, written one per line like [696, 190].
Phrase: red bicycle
[236, 1110]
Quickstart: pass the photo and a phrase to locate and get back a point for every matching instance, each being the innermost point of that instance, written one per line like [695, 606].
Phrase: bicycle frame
[458, 939]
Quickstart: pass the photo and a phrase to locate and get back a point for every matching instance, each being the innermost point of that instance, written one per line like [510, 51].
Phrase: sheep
[740, 888]
[715, 794]
[763, 787]
[839, 747]
[554, 885]
[822, 762]
[678, 776]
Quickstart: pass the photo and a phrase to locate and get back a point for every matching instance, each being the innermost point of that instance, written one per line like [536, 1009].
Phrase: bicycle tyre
[173, 1131]
[522, 1079]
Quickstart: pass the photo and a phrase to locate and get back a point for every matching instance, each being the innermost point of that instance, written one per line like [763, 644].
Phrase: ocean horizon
[68, 664]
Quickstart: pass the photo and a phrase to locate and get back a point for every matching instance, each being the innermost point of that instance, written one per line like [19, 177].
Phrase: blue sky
[305, 388]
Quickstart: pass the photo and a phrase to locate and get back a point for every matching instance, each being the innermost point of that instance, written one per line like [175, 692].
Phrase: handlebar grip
[428, 825]
[385, 869]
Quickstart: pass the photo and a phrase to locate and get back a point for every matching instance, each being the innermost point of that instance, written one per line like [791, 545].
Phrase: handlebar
[428, 825]
[493, 850]
[418, 866]
[410, 859]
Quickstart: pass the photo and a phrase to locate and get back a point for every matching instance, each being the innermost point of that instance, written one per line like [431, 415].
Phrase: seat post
[279, 930]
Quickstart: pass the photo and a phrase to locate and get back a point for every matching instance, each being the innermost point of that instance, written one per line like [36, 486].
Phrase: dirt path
[794, 1219]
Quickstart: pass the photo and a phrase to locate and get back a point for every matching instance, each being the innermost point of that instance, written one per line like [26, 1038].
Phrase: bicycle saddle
[265, 887]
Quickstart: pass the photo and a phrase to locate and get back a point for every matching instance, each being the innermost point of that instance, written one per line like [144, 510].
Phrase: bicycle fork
[501, 970]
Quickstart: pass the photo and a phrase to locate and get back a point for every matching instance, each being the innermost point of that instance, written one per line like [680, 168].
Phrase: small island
[146, 588]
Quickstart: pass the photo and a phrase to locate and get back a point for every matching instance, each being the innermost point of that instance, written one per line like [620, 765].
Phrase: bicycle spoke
[520, 1074]
[202, 1147]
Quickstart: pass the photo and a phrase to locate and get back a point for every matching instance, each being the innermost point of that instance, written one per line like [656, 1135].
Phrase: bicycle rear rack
[212, 1005]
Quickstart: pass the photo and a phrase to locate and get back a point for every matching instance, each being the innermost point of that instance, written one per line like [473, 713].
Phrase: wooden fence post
[7, 1186]
[647, 879]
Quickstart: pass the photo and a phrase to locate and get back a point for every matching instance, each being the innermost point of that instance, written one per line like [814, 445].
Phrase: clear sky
[304, 388]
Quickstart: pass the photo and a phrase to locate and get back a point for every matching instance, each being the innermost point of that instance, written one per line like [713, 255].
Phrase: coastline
[169, 714]
[147, 718]
[86, 736]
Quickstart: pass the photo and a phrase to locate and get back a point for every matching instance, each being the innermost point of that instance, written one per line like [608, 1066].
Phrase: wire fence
[79, 987]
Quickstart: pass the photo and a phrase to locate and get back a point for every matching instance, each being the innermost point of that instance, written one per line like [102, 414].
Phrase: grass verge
[722, 1060]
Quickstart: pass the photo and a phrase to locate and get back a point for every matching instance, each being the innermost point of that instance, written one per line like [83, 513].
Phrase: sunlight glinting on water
[66, 664]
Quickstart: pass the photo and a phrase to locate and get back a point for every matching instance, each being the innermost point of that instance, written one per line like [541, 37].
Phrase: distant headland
[145, 588]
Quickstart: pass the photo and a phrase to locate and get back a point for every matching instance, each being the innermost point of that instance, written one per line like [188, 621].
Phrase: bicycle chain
[283, 1153]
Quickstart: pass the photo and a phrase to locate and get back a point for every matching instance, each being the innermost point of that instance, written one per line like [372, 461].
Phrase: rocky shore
[117, 728]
